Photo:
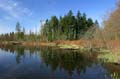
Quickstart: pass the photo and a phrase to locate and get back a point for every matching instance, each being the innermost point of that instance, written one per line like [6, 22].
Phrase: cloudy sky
[30, 12]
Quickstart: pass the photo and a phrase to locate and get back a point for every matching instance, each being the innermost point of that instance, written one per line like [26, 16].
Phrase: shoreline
[106, 54]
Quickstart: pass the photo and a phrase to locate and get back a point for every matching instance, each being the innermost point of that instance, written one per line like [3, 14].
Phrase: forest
[68, 27]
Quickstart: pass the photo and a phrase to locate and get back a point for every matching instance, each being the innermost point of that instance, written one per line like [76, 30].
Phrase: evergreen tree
[18, 27]
[18, 30]
[68, 27]
[53, 26]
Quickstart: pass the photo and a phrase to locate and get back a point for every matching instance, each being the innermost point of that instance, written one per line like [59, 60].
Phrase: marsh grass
[109, 56]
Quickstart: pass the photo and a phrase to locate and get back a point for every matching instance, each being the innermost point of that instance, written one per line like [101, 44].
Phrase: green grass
[69, 46]
[109, 56]
[51, 44]
[104, 51]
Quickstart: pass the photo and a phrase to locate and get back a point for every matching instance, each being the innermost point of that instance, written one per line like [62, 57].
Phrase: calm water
[51, 63]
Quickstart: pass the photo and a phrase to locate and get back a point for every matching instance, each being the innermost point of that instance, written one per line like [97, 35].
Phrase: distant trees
[19, 31]
[7, 37]
[19, 35]
[68, 27]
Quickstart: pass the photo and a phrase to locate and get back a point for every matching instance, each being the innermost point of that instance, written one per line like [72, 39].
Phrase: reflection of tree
[66, 60]
[7, 48]
[54, 58]
[19, 51]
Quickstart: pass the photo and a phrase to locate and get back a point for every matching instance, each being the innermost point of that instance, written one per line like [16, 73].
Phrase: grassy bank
[108, 55]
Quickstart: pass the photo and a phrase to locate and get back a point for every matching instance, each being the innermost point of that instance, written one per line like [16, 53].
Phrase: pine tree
[18, 30]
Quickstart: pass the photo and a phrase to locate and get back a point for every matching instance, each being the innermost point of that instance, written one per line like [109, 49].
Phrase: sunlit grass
[108, 56]
[69, 46]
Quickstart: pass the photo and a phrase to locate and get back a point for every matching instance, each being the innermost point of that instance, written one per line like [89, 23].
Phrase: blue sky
[30, 12]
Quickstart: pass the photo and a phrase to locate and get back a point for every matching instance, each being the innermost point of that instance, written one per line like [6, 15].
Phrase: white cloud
[14, 9]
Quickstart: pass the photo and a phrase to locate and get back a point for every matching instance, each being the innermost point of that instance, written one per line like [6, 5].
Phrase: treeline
[20, 35]
[68, 27]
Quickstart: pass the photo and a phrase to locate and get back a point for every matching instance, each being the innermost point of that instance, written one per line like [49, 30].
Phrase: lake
[18, 62]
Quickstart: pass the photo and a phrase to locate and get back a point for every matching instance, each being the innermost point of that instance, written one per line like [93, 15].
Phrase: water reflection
[66, 60]
[53, 63]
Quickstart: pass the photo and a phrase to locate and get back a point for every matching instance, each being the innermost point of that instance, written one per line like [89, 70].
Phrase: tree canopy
[68, 27]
